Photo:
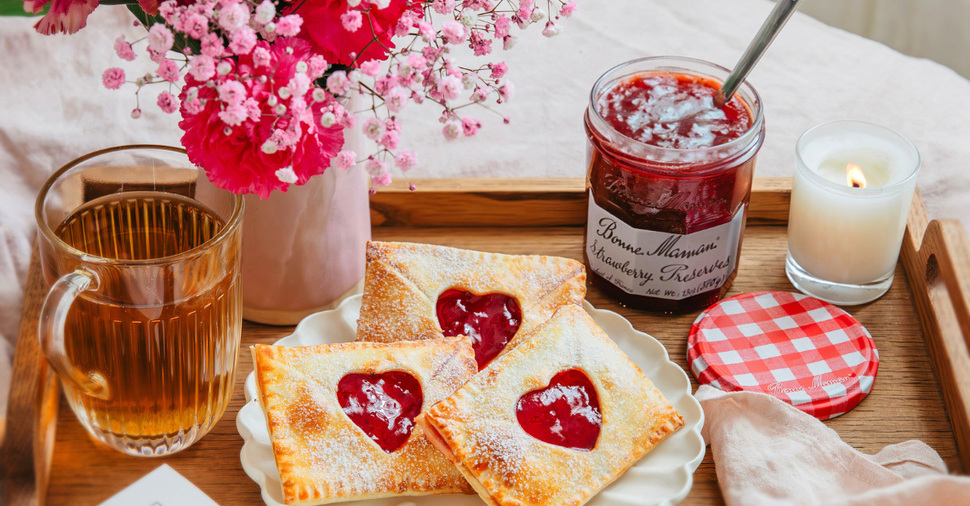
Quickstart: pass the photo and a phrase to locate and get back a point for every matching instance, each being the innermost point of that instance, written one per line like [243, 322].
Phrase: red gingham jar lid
[797, 348]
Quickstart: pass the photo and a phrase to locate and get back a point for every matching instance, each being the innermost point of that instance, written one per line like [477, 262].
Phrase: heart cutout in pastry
[565, 413]
[382, 405]
[490, 320]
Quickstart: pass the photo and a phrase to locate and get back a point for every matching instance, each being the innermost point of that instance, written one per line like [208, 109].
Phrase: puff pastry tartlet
[340, 417]
[418, 291]
[498, 431]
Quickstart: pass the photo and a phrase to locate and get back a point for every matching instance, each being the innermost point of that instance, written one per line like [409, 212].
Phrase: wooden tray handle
[936, 256]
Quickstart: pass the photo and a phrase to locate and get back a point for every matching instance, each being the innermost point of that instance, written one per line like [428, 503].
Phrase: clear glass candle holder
[852, 190]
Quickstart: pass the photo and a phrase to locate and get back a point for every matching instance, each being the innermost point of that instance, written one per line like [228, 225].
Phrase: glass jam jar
[668, 182]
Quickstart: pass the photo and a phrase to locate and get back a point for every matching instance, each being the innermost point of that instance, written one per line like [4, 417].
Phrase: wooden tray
[921, 325]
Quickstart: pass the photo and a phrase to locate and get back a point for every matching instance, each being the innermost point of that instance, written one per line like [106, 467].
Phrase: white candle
[846, 231]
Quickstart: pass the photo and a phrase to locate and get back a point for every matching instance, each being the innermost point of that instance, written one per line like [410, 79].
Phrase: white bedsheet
[53, 107]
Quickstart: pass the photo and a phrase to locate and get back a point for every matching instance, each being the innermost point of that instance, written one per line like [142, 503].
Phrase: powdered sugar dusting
[319, 448]
[480, 424]
[404, 280]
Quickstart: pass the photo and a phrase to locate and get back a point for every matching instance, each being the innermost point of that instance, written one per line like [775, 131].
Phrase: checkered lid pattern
[799, 349]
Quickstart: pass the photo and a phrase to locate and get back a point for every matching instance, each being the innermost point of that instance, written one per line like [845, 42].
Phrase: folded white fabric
[768, 452]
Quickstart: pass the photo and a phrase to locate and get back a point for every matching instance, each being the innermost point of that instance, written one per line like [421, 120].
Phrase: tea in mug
[162, 331]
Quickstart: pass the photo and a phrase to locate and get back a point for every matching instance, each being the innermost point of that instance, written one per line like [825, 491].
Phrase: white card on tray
[162, 487]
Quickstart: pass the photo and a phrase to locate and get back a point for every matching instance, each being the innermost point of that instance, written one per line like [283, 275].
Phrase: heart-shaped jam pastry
[565, 413]
[382, 405]
[490, 320]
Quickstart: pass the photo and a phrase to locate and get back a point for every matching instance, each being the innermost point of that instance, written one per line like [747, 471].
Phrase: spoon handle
[776, 20]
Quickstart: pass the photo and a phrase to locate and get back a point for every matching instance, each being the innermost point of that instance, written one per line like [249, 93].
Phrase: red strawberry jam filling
[490, 320]
[565, 413]
[382, 405]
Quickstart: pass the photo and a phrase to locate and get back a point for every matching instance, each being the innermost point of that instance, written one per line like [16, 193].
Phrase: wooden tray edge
[526, 202]
[936, 257]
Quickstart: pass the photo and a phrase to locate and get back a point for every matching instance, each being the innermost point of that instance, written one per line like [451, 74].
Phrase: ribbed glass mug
[143, 319]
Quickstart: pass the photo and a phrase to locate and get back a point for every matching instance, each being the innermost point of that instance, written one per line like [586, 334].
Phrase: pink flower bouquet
[262, 85]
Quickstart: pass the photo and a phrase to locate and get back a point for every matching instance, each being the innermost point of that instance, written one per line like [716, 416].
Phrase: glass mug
[143, 319]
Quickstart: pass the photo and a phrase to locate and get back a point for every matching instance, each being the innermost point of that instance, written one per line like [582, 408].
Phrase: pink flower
[551, 29]
[265, 12]
[396, 99]
[323, 28]
[568, 9]
[449, 87]
[231, 92]
[382, 179]
[160, 38]
[453, 32]
[289, 26]
[417, 61]
[470, 126]
[480, 43]
[479, 95]
[167, 102]
[202, 67]
[195, 25]
[212, 45]
[243, 41]
[234, 158]
[123, 49]
[371, 68]
[168, 71]
[390, 139]
[352, 20]
[451, 130]
[345, 159]
[443, 6]
[233, 16]
[498, 69]
[506, 91]
[261, 57]
[372, 129]
[406, 160]
[149, 6]
[502, 25]
[113, 78]
[338, 83]
[63, 16]
[375, 167]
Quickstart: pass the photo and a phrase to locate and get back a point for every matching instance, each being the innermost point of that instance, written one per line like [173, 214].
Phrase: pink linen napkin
[768, 452]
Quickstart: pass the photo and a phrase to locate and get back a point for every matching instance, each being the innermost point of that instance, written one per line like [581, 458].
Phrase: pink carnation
[123, 49]
[323, 28]
[167, 102]
[113, 78]
[234, 158]
[64, 16]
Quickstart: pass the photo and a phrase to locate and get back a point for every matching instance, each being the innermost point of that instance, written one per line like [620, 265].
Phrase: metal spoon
[776, 20]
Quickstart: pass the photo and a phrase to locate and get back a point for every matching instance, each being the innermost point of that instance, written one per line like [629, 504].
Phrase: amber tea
[162, 331]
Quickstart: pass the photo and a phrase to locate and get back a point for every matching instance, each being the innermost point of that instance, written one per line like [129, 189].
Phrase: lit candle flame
[854, 177]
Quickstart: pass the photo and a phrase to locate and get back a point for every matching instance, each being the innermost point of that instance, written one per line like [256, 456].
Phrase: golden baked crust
[478, 430]
[403, 281]
[322, 456]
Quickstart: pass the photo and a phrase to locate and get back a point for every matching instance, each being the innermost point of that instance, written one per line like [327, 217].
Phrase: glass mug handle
[50, 332]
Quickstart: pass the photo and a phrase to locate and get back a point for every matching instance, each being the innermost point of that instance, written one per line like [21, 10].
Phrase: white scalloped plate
[663, 477]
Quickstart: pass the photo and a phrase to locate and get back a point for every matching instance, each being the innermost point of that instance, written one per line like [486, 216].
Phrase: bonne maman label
[660, 264]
